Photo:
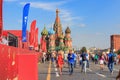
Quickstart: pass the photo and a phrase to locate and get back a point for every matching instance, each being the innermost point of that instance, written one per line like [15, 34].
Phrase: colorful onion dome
[44, 31]
[51, 32]
[68, 30]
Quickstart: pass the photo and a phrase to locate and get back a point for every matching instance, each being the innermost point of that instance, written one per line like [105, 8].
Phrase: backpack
[84, 57]
[96, 57]
[113, 58]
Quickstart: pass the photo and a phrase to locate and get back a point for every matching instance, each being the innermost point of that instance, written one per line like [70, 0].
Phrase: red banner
[43, 44]
[1, 23]
[36, 39]
[32, 33]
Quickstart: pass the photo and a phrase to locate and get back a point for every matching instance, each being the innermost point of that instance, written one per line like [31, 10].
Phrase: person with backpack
[111, 60]
[71, 61]
[96, 58]
[84, 61]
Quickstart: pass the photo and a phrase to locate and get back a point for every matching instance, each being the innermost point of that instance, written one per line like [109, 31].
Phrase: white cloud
[65, 15]
[10, 0]
[69, 20]
[51, 6]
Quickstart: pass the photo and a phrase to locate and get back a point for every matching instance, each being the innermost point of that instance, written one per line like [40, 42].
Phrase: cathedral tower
[43, 42]
[57, 25]
[57, 28]
[68, 39]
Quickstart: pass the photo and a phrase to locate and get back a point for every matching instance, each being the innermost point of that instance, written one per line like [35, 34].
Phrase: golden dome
[68, 30]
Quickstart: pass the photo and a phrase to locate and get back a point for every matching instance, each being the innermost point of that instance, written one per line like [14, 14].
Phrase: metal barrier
[18, 64]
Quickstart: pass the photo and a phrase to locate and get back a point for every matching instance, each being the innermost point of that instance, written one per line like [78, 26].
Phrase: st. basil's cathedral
[55, 39]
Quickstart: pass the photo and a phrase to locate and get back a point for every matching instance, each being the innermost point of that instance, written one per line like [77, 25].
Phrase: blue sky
[91, 21]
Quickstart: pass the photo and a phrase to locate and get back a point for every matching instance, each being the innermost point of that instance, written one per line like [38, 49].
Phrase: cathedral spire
[57, 11]
[57, 17]
[57, 25]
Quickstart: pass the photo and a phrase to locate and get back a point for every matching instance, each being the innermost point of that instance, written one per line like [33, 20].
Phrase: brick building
[115, 42]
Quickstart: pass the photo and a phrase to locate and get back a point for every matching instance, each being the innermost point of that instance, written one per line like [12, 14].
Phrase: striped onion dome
[44, 31]
[51, 32]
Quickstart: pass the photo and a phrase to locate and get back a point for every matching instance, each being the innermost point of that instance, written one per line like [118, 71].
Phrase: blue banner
[24, 21]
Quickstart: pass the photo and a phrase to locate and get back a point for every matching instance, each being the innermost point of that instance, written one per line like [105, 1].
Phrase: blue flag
[24, 22]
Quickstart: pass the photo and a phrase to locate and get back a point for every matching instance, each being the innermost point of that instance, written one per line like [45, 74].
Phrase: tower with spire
[68, 39]
[57, 25]
[51, 46]
[57, 28]
[61, 40]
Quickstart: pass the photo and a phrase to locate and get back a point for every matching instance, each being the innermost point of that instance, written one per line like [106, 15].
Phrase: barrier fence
[18, 64]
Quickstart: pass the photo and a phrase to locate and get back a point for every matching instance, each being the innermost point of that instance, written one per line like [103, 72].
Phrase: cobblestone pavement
[93, 73]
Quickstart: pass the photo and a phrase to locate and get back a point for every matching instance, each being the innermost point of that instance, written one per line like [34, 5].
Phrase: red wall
[18, 64]
[115, 42]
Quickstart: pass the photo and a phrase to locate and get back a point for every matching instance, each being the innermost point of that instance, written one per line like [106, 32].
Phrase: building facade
[63, 41]
[115, 42]
[55, 38]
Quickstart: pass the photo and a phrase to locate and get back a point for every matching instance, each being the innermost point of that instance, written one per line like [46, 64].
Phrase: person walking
[96, 58]
[84, 61]
[53, 55]
[101, 62]
[80, 60]
[71, 61]
[60, 61]
[44, 57]
[75, 60]
[118, 58]
[88, 57]
[65, 59]
[111, 61]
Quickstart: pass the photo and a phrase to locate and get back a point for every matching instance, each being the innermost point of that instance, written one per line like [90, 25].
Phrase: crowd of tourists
[71, 59]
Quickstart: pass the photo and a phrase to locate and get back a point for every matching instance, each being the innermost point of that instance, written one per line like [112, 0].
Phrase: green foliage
[118, 52]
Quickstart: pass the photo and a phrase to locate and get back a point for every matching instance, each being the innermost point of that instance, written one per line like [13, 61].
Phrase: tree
[118, 52]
